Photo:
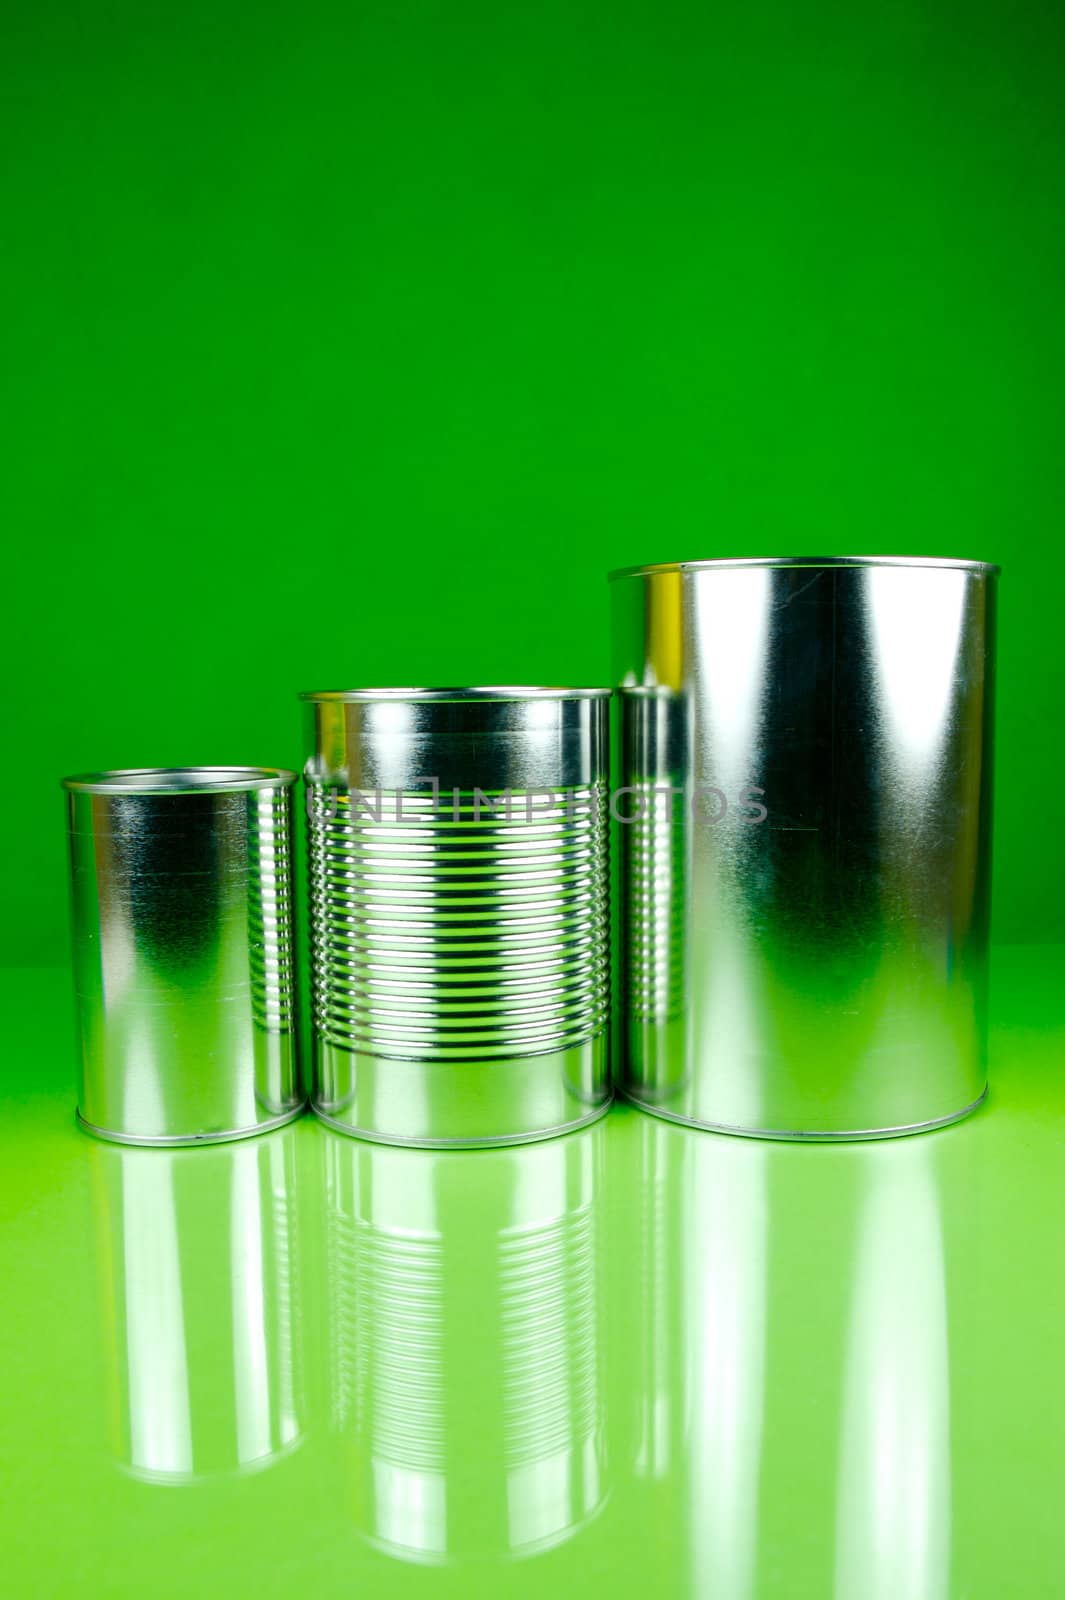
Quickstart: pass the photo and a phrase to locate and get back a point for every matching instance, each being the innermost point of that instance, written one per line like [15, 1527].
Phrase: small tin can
[459, 906]
[183, 952]
[805, 752]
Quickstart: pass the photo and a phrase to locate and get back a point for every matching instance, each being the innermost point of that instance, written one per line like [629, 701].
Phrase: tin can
[459, 906]
[805, 833]
[183, 952]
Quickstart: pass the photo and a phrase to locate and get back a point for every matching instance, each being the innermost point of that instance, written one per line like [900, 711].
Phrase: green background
[353, 344]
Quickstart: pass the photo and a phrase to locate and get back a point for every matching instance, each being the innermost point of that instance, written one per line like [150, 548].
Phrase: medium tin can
[805, 750]
[183, 952]
[459, 902]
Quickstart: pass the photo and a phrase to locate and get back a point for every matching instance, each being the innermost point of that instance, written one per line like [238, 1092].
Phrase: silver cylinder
[805, 841]
[459, 897]
[183, 952]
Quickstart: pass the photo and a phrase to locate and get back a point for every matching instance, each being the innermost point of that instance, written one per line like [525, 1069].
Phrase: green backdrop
[353, 343]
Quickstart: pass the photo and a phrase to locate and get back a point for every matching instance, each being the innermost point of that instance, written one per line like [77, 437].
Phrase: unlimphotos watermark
[632, 803]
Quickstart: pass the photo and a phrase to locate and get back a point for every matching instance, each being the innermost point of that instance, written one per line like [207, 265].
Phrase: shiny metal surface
[469, 1403]
[200, 1298]
[807, 746]
[843, 1415]
[183, 952]
[459, 900]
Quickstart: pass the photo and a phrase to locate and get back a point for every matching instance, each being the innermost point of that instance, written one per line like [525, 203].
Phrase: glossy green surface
[639, 1358]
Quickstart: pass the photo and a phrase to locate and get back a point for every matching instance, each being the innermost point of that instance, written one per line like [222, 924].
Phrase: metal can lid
[485, 692]
[987, 568]
[178, 780]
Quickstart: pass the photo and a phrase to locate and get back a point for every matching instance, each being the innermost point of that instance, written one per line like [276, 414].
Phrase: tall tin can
[183, 952]
[805, 746]
[459, 902]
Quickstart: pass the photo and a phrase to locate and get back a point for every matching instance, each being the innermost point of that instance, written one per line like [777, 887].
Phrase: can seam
[946, 563]
[480, 1142]
[489, 692]
[796, 1136]
[227, 1474]
[241, 780]
[190, 1140]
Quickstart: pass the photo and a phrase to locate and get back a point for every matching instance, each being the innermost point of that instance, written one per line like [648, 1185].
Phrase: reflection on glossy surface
[466, 1339]
[790, 1346]
[783, 1372]
[701, 1336]
[829, 749]
[195, 1250]
[893, 1502]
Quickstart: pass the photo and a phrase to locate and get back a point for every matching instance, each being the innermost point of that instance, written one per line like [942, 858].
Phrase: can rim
[178, 780]
[988, 568]
[511, 692]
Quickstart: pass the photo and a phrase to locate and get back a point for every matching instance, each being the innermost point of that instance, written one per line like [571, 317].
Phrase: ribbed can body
[806, 747]
[183, 952]
[459, 901]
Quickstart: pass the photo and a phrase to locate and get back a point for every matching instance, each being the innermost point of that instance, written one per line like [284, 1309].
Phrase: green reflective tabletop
[642, 1357]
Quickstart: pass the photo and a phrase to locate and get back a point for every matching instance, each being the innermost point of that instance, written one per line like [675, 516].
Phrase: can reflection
[466, 1343]
[701, 1349]
[196, 1250]
[790, 1348]
[893, 1519]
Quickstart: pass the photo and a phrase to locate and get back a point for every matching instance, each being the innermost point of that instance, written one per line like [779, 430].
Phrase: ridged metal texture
[271, 936]
[183, 952]
[654, 859]
[422, 1381]
[459, 938]
[465, 925]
